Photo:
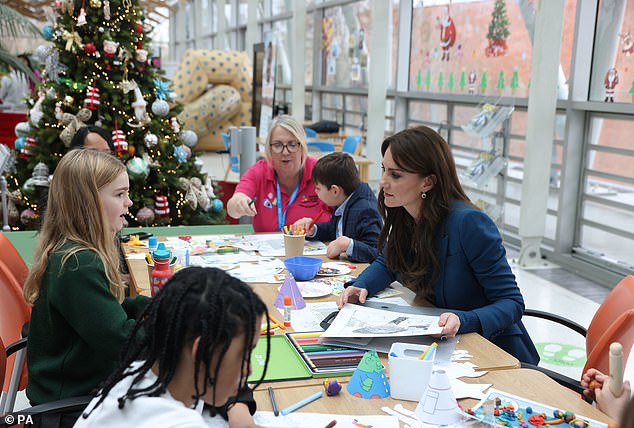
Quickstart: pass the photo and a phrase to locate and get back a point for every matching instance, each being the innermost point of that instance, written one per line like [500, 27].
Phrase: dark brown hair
[339, 169]
[411, 246]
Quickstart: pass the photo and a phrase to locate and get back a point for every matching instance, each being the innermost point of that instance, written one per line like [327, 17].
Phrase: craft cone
[289, 288]
[368, 379]
[438, 404]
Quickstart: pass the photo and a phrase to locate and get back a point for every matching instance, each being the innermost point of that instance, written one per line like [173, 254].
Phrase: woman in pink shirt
[284, 175]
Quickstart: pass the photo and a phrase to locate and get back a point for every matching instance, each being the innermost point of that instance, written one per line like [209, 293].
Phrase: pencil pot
[409, 376]
[294, 245]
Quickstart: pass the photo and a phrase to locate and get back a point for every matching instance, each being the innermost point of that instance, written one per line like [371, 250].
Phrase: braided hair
[196, 302]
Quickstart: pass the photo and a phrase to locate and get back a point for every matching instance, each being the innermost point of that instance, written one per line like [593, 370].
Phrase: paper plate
[333, 269]
[311, 289]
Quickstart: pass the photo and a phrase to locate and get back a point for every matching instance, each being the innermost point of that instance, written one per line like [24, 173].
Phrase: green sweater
[77, 328]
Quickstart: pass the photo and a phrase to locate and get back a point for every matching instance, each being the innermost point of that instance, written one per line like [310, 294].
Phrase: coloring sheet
[361, 321]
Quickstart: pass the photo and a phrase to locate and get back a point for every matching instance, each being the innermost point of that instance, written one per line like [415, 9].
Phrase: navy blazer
[361, 222]
[475, 281]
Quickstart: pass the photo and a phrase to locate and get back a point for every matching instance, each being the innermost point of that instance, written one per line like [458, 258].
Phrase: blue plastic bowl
[303, 268]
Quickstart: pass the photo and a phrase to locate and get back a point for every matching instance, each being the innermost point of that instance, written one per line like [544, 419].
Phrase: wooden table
[527, 383]
[485, 355]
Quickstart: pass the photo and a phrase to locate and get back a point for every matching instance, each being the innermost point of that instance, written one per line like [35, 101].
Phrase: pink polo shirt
[259, 181]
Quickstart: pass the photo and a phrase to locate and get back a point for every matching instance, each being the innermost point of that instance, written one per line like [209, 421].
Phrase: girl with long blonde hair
[80, 319]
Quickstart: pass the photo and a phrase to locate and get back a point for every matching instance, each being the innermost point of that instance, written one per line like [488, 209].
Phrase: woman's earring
[423, 195]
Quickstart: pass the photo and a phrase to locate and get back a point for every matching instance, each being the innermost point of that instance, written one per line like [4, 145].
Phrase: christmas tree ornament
[12, 201]
[92, 100]
[90, 48]
[216, 206]
[195, 195]
[81, 19]
[47, 32]
[22, 129]
[119, 140]
[58, 111]
[139, 104]
[68, 6]
[160, 108]
[162, 89]
[52, 66]
[109, 50]
[172, 97]
[141, 55]
[145, 216]
[73, 123]
[189, 138]
[180, 154]
[176, 127]
[95, 4]
[19, 143]
[610, 82]
[28, 217]
[68, 101]
[40, 175]
[106, 10]
[131, 150]
[36, 114]
[51, 93]
[199, 164]
[28, 186]
[150, 140]
[187, 151]
[138, 168]
[41, 52]
[29, 148]
[72, 38]
[161, 206]
[138, 27]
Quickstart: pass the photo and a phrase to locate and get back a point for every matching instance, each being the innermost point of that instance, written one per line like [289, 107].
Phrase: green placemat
[284, 362]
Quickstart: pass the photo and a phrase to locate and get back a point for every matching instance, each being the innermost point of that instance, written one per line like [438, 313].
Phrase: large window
[613, 62]
[480, 47]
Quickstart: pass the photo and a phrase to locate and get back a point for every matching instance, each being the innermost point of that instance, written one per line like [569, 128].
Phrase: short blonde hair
[293, 126]
[75, 214]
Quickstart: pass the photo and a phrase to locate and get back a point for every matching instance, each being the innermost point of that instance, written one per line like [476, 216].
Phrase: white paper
[318, 420]
[308, 319]
[361, 321]
[468, 390]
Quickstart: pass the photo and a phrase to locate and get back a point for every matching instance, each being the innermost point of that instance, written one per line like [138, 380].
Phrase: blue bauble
[216, 205]
[20, 143]
[48, 31]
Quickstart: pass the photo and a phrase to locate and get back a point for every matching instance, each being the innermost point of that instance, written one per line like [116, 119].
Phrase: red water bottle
[161, 271]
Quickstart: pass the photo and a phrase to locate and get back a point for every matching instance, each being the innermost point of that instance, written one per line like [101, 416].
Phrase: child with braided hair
[192, 345]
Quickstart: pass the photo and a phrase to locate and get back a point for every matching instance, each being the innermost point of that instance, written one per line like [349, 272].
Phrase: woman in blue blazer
[436, 243]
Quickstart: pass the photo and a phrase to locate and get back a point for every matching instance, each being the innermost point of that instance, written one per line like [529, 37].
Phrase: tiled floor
[550, 289]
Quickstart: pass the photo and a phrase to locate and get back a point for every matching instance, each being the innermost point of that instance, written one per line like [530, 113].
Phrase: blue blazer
[475, 281]
[361, 222]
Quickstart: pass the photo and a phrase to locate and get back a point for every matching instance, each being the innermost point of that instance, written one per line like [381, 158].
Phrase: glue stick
[616, 369]
[287, 311]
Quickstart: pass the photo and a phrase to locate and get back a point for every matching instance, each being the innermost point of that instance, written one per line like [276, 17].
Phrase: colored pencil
[276, 412]
[302, 403]
[279, 324]
[424, 354]
[312, 223]
[255, 198]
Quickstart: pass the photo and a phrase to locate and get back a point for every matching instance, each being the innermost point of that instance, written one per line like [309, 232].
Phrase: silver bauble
[199, 164]
[150, 140]
[22, 129]
[189, 138]
[160, 108]
[42, 52]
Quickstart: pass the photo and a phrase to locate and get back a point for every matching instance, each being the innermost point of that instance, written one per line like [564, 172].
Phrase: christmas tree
[97, 71]
[498, 30]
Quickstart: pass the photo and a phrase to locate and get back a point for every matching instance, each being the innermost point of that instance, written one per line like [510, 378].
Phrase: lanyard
[281, 214]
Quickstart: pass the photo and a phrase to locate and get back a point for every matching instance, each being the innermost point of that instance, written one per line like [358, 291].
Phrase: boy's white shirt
[144, 411]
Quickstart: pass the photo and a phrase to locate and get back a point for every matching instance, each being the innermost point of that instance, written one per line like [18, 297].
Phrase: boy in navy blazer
[356, 223]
